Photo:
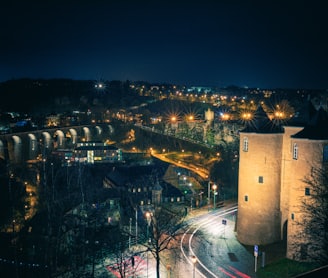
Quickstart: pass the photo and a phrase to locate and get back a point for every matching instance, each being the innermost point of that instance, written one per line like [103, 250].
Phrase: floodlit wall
[259, 215]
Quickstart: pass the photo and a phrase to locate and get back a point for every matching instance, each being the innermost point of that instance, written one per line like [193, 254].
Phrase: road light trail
[191, 232]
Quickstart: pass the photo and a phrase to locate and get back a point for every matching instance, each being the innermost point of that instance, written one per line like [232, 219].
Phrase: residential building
[97, 152]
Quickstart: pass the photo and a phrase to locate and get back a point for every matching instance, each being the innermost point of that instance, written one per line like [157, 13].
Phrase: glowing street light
[148, 217]
[279, 114]
[247, 116]
[214, 187]
[209, 193]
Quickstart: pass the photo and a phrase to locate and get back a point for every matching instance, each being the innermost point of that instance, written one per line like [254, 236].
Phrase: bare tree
[314, 221]
[165, 225]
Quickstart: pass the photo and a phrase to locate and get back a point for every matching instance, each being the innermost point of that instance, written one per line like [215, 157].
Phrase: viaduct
[23, 146]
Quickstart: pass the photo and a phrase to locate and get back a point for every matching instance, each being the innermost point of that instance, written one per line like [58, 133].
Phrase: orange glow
[247, 116]
[279, 114]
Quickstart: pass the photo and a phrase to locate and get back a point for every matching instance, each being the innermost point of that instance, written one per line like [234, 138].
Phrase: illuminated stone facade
[274, 160]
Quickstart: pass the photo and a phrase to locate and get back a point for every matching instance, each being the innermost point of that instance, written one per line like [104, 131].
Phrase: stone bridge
[23, 146]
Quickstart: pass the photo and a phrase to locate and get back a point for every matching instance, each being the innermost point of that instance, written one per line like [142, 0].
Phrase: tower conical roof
[317, 127]
[157, 186]
[303, 115]
[261, 123]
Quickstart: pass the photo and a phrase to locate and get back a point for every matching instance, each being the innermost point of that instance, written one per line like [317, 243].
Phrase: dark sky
[265, 44]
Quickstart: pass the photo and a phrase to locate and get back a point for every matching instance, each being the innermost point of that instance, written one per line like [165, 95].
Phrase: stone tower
[259, 215]
[274, 161]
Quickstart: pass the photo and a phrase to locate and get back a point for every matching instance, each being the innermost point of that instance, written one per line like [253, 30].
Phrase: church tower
[157, 194]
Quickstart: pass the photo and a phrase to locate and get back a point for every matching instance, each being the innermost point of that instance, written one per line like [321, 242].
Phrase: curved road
[211, 239]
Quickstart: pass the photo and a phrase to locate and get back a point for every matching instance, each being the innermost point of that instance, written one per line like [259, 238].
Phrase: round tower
[259, 216]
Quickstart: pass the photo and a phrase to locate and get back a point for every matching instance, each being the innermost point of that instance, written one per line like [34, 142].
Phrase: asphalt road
[211, 239]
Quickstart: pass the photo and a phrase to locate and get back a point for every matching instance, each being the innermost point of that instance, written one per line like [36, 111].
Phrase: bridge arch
[72, 133]
[86, 134]
[99, 130]
[17, 149]
[110, 129]
[2, 150]
[33, 146]
[22, 146]
[59, 139]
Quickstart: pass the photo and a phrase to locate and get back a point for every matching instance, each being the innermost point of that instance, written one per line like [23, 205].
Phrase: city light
[246, 116]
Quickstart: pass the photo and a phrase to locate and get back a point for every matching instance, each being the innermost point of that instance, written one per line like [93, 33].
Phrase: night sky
[264, 44]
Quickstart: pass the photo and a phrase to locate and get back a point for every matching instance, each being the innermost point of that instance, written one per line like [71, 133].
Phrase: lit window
[260, 179]
[295, 151]
[245, 144]
[307, 191]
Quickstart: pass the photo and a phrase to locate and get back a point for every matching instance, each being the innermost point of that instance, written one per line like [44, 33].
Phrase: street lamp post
[194, 261]
[136, 225]
[214, 187]
[147, 256]
[148, 223]
[148, 217]
[130, 229]
[209, 195]
[147, 261]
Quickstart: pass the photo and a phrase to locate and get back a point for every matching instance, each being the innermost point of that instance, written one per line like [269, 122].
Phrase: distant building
[274, 160]
[64, 155]
[52, 120]
[143, 185]
[97, 152]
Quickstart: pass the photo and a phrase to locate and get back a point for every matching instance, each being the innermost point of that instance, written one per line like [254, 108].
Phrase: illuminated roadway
[215, 246]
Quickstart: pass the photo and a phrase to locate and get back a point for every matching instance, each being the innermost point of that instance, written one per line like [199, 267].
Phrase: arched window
[295, 151]
[245, 144]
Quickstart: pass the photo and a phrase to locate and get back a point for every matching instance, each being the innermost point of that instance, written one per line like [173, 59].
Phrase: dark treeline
[58, 95]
